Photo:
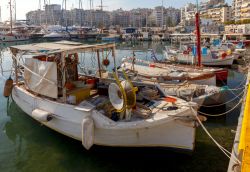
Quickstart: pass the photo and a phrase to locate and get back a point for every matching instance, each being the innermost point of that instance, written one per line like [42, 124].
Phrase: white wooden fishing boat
[237, 50]
[94, 111]
[13, 36]
[169, 73]
[203, 95]
[212, 58]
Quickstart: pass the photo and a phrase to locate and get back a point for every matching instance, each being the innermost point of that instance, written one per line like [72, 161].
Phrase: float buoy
[224, 55]
[8, 87]
[106, 62]
[41, 115]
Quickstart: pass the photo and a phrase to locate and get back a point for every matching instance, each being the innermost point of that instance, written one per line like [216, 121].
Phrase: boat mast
[15, 10]
[147, 21]
[162, 14]
[0, 14]
[80, 8]
[40, 9]
[198, 35]
[10, 17]
[91, 17]
[65, 16]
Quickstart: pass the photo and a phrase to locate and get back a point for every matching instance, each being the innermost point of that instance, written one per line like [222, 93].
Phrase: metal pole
[99, 63]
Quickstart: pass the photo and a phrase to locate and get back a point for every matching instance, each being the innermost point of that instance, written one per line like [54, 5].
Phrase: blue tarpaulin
[204, 51]
[216, 42]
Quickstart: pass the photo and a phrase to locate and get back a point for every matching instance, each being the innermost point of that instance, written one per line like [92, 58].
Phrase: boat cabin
[51, 69]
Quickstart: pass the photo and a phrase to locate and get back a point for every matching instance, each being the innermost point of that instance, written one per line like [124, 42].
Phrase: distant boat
[111, 38]
[54, 36]
[12, 37]
[209, 58]
[16, 35]
[168, 75]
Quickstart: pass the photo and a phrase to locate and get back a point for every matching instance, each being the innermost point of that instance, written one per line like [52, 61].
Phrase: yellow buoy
[8, 87]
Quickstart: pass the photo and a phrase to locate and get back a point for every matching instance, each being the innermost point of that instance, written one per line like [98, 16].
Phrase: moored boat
[209, 58]
[93, 111]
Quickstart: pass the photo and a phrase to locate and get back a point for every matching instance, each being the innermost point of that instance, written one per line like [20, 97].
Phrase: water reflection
[37, 147]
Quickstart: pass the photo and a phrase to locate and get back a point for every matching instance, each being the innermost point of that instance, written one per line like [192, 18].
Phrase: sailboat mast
[91, 17]
[198, 35]
[80, 8]
[10, 17]
[162, 14]
[66, 15]
[15, 9]
[0, 14]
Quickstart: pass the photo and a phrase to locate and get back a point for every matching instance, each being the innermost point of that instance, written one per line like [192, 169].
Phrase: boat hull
[13, 38]
[206, 61]
[67, 120]
[211, 99]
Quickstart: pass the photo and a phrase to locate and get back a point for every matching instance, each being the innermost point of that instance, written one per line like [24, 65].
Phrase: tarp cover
[43, 78]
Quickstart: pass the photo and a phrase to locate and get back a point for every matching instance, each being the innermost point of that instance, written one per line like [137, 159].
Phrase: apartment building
[245, 10]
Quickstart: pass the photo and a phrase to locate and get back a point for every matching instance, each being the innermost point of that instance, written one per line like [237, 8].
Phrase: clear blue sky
[23, 6]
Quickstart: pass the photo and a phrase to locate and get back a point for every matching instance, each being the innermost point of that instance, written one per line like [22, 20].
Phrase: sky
[24, 6]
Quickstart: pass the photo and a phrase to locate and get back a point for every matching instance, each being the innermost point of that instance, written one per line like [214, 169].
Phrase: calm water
[25, 145]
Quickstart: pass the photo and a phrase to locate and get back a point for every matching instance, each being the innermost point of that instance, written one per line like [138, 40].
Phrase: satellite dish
[122, 97]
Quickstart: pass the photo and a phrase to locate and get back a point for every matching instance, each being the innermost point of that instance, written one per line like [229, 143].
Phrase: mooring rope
[221, 114]
[236, 97]
[225, 151]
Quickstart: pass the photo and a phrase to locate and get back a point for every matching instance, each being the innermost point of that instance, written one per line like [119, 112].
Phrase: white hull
[150, 72]
[207, 61]
[153, 132]
[211, 99]
[56, 36]
[8, 38]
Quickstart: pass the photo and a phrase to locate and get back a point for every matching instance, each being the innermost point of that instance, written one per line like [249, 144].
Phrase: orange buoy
[8, 87]
[106, 62]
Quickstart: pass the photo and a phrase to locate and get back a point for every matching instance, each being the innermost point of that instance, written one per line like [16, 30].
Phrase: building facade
[245, 10]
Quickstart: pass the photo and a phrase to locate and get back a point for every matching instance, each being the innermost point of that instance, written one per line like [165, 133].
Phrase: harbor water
[26, 145]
